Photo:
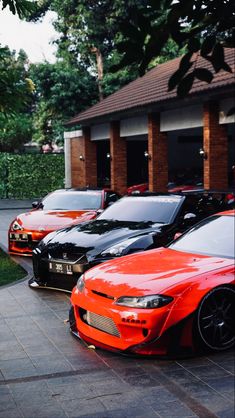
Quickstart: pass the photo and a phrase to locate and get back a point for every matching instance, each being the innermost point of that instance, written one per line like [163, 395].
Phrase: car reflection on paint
[167, 301]
[132, 224]
[58, 209]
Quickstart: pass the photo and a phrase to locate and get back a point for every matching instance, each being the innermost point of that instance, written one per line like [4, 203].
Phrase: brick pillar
[158, 155]
[83, 161]
[118, 159]
[215, 145]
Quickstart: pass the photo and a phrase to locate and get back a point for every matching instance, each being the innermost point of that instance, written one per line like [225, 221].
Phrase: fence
[25, 176]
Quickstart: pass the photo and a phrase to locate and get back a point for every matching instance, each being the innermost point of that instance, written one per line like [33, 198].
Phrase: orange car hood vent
[103, 295]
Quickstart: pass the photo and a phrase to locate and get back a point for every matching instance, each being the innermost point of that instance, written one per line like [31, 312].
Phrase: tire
[215, 320]
[72, 320]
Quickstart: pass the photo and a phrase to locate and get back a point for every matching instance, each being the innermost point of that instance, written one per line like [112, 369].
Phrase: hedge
[26, 176]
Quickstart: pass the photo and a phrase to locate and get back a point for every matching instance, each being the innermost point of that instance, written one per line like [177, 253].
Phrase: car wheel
[215, 320]
[72, 320]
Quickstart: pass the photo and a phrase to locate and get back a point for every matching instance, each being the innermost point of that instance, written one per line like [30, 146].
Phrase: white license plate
[19, 237]
[61, 268]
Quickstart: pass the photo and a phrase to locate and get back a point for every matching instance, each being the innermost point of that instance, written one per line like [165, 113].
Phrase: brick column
[83, 161]
[215, 145]
[158, 155]
[118, 159]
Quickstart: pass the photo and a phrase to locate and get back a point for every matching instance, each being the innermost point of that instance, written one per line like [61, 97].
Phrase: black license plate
[62, 268]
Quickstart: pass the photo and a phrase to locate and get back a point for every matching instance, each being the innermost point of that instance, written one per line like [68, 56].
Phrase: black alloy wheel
[215, 320]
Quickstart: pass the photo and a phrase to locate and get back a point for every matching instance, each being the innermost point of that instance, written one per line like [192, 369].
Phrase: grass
[9, 270]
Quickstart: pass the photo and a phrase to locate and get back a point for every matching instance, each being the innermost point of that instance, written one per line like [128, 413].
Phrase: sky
[34, 38]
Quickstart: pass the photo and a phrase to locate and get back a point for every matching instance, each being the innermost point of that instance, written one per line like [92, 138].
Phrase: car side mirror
[189, 215]
[37, 205]
[99, 211]
[189, 219]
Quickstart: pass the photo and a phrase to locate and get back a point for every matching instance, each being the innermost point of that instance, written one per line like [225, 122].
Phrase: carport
[145, 133]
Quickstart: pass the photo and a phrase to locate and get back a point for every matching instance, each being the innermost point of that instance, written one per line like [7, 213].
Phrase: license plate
[19, 237]
[61, 268]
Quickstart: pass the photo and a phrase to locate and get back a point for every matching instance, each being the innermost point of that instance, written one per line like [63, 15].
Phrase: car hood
[53, 219]
[150, 272]
[99, 234]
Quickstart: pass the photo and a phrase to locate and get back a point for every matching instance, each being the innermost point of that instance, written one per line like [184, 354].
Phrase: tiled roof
[152, 88]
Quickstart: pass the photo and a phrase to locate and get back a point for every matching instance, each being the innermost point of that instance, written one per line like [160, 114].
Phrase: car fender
[186, 303]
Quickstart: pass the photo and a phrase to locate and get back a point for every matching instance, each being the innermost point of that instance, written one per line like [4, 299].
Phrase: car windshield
[213, 236]
[156, 209]
[72, 201]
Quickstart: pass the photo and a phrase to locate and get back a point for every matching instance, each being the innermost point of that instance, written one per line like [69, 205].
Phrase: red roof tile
[152, 88]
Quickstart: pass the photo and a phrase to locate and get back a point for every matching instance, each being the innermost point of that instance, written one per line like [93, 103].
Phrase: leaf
[185, 85]
[174, 80]
[207, 45]
[217, 58]
[226, 67]
[194, 45]
[185, 63]
[203, 74]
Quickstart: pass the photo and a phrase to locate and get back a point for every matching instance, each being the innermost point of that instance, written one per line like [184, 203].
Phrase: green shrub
[25, 176]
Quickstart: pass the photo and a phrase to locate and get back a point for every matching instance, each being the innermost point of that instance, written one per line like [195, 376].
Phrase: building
[145, 133]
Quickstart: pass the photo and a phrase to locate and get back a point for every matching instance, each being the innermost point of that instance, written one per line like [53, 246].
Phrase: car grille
[103, 323]
[67, 257]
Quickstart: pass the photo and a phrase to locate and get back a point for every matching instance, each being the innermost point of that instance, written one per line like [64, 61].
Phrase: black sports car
[132, 224]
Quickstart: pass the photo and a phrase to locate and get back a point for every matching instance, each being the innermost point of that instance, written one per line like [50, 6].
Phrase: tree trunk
[100, 70]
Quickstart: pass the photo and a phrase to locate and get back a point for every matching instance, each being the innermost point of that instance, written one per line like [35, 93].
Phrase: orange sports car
[57, 210]
[167, 301]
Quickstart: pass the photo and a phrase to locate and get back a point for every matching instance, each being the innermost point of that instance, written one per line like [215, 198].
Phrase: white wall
[67, 154]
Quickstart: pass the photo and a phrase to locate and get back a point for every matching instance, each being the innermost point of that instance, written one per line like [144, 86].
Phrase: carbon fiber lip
[33, 284]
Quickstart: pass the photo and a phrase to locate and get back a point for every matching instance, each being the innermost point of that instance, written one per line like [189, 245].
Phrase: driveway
[45, 372]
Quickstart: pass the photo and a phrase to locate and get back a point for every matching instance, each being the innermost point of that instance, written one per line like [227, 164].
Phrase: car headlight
[118, 249]
[81, 283]
[144, 302]
[16, 226]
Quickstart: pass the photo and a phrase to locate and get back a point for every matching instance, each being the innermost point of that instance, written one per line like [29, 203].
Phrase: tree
[15, 100]
[201, 26]
[87, 34]
[61, 91]
[15, 86]
[15, 131]
[20, 7]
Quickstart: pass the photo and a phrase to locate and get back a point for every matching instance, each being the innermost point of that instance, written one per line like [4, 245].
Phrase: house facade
[143, 133]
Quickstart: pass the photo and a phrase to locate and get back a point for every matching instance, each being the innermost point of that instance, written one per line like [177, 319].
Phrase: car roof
[85, 189]
[151, 194]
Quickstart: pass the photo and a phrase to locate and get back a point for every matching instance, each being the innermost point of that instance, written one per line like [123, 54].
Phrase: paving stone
[153, 395]
[6, 403]
[82, 407]
[204, 372]
[11, 350]
[51, 364]
[53, 375]
[214, 401]
[68, 392]
[17, 368]
[46, 409]
[174, 409]
[225, 386]
[11, 413]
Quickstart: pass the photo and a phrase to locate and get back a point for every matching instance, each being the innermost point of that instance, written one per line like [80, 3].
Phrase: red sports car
[164, 301]
[172, 188]
[57, 210]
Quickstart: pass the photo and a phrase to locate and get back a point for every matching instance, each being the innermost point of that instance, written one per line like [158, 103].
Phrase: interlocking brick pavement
[46, 373]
